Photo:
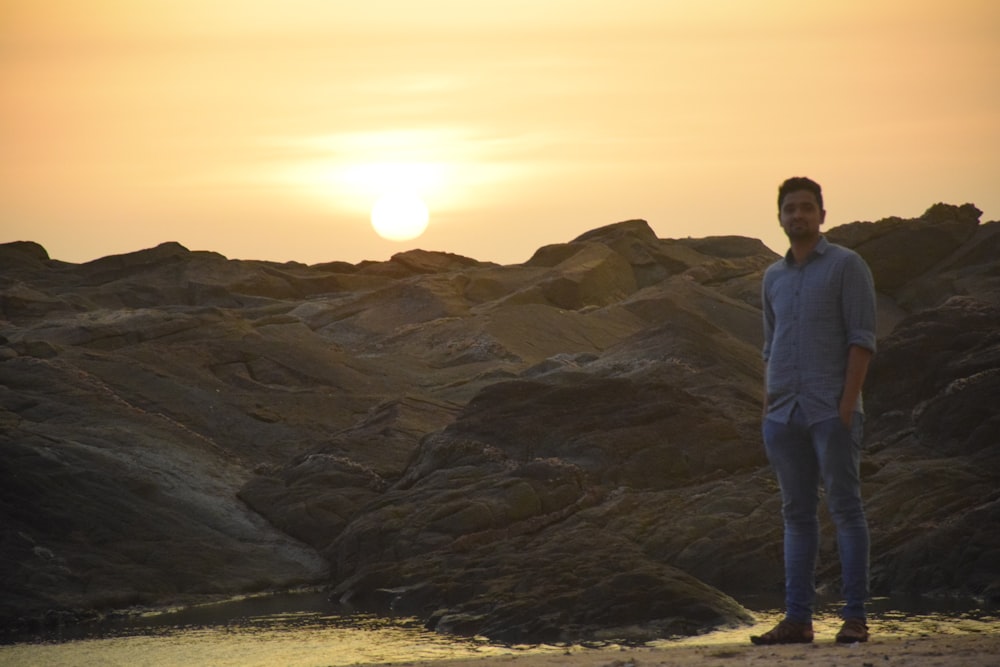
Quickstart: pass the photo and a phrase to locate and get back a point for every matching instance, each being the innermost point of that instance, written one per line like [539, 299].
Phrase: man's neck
[802, 248]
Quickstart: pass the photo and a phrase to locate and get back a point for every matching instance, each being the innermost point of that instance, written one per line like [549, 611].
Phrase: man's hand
[846, 413]
[858, 359]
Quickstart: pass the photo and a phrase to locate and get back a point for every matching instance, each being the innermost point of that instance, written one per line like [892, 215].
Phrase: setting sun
[399, 190]
[399, 216]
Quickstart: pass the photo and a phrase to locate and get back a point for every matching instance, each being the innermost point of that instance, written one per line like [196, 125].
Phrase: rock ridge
[561, 450]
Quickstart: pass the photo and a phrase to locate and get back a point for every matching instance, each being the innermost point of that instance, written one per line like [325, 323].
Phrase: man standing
[819, 336]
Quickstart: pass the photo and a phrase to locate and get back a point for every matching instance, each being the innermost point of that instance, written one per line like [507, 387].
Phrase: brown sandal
[854, 630]
[786, 632]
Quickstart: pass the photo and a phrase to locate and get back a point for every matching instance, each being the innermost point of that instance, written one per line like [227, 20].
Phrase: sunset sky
[267, 129]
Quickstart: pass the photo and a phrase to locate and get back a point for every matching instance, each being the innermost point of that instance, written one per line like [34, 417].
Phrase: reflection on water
[297, 630]
[305, 630]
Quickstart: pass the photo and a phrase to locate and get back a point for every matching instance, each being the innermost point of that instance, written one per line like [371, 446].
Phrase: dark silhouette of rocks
[563, 449]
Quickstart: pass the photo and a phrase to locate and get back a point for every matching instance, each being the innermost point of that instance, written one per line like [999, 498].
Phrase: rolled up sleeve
[859, 303]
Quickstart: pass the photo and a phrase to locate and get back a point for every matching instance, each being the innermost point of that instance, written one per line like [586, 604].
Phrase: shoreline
[944, 650]
[898, 640]
[302, 635]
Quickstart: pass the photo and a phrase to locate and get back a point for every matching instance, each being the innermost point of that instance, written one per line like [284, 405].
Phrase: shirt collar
[820, 249]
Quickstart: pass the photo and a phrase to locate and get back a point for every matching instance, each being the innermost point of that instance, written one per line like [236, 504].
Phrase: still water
[293, 630]
[305, 630]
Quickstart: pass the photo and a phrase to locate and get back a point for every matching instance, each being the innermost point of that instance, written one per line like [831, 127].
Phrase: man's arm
[763, 413]
[859, 307]
[858, 359]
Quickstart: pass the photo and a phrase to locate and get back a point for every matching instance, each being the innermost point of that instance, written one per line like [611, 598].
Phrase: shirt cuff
[862, 338]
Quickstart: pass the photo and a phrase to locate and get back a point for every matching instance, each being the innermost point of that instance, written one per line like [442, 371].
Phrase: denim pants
[802, 456]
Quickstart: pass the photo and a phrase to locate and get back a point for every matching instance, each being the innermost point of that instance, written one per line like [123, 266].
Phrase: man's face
[801, 216]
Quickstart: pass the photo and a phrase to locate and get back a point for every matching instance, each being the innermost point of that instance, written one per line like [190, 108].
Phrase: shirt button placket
[797, 338]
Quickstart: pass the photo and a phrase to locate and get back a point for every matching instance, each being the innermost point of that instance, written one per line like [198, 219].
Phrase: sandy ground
[895, 643]
[968, 639]
[940, 651]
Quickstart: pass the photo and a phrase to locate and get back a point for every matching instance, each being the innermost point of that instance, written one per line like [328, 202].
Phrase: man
[819, 336]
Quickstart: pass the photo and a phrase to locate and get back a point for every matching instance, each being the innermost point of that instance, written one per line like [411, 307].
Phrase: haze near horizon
[269, 130]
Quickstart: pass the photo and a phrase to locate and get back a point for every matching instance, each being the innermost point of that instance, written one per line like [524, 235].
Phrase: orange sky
[265, 129]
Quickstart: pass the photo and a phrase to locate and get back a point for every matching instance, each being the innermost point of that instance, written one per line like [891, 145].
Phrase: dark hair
[797, 183]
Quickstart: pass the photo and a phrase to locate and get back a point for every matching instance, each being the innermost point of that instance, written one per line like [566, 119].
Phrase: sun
[400, 216]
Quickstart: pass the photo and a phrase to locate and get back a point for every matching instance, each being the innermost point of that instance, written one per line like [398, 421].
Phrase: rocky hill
[562, 449]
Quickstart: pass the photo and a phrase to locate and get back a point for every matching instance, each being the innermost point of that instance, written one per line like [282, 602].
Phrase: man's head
[800, 209]
[800, 183]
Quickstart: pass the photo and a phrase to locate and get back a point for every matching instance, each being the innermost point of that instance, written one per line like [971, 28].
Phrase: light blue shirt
[813, 313]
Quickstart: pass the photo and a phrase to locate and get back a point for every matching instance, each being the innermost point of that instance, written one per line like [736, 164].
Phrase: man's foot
[786, 632]
[853, 630]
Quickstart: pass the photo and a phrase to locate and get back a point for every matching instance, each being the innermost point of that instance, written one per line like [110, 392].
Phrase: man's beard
[800, 233]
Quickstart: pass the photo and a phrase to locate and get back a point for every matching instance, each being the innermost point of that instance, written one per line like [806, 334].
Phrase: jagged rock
[559, 450]
[595, 276]
[939, 232]
[969, 271]
[422, 261]
[19, 300]
[935, 383]
[727, 247]
[318, 494]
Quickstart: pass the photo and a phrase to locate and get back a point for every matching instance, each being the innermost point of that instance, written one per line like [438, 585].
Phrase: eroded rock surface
[563, 449]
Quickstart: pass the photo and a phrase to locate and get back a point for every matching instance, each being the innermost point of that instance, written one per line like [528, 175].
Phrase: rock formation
[563, 449]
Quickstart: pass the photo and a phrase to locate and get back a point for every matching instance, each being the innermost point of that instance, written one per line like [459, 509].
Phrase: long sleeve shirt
[813, 313]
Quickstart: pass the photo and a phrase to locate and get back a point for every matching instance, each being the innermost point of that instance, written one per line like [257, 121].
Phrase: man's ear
[822, 216]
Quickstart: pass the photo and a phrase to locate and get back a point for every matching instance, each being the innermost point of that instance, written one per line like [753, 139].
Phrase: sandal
[786, 632]
[854, 630]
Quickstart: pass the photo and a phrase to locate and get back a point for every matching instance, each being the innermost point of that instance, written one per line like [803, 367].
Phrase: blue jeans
[802, 456]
